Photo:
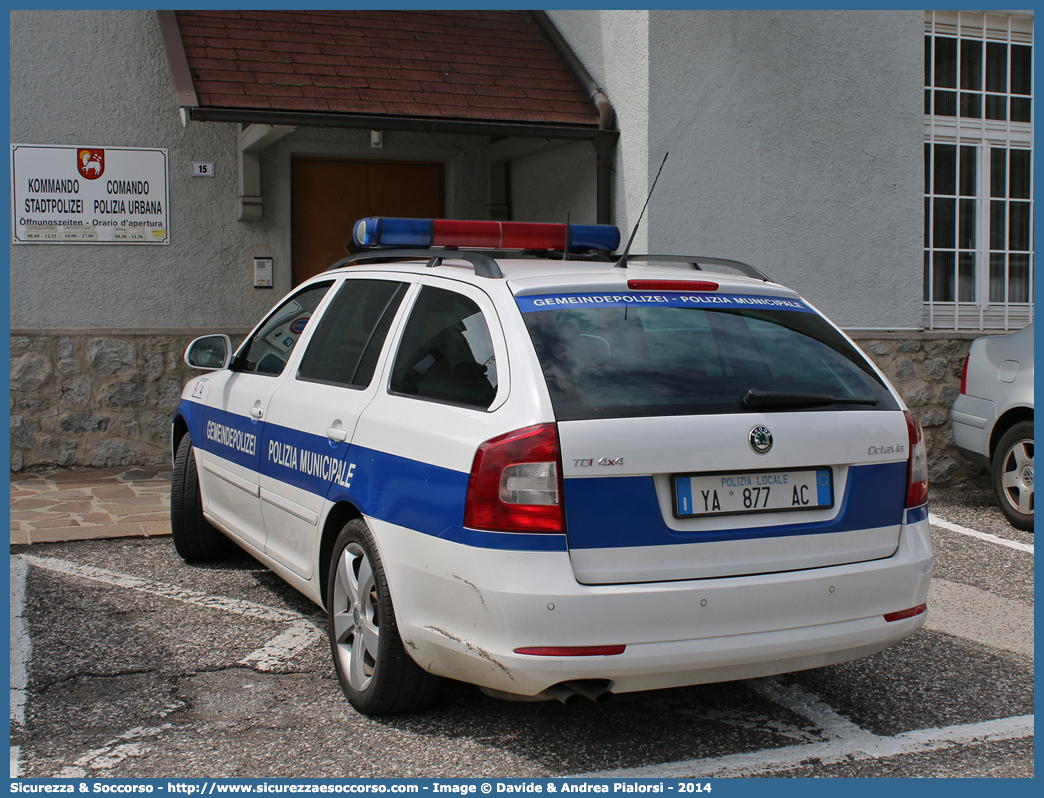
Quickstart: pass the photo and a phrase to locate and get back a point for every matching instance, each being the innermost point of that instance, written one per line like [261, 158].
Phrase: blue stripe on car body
[625, 511]
[430, 499]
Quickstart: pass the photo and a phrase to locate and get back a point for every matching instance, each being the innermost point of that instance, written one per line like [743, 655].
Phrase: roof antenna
[569, 238]
[622, 263]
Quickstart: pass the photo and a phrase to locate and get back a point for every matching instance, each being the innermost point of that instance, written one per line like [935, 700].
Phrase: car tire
[194, 538]
[1013, 475]
[376, 673]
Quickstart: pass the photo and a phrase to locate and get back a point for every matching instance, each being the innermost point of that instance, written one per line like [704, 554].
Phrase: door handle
[256, 411]
[338, 434]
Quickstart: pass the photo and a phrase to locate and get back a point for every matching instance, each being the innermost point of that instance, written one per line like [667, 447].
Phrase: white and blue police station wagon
[498, 453]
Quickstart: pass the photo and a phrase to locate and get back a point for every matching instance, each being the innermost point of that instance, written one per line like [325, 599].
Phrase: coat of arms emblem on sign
[90, 163]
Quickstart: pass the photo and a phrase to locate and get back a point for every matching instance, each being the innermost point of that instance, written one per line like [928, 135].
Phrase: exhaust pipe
[564, 693]
[568, 693]
[594, 690]
[557, 693]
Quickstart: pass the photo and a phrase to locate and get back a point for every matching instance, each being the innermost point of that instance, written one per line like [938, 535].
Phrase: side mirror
[210, 353]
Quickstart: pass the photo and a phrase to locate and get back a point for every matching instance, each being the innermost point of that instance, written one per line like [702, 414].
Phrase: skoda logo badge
[760, 440]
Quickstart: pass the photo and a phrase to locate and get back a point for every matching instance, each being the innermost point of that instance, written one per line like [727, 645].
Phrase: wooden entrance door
[328, 196]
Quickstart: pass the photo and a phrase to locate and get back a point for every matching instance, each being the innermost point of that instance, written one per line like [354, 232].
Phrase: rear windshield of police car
[630, 360]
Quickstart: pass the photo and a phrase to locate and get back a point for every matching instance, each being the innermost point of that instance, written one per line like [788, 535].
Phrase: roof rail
[484, 265]
[695, 262]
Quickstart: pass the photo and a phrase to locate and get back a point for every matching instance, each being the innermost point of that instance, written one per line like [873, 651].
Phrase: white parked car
[557, 477]
[992, 419]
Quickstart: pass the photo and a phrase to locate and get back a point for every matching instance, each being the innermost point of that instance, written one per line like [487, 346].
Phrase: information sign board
[89, 195]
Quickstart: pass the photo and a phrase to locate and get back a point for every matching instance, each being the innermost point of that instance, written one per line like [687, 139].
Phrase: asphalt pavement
[127, 662]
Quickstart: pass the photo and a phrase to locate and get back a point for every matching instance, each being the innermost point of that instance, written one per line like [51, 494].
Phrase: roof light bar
[377, 231]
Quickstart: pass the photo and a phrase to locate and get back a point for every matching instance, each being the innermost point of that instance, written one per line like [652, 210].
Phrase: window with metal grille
[978, 167]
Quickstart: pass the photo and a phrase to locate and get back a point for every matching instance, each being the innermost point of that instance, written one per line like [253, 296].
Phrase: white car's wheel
[194, 538]
[1013, 475]
[376, 673]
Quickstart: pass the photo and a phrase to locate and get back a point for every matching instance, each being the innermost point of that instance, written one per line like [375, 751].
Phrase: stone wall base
[98, 398]
[104, 398]
[926, 367]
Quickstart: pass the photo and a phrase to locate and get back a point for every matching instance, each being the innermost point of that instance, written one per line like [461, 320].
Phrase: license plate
[734, 492]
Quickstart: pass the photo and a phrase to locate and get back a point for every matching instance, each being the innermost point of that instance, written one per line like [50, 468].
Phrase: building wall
[112, 87]
[614, 48]
[461, 157]
[98, 331]
[795, 143]
[96, 397]
[105, 397]
[545, 187]
[925, 368]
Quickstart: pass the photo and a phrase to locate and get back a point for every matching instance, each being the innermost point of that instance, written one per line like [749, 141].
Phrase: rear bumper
[972, 422]
[463, 611]
[651, 666]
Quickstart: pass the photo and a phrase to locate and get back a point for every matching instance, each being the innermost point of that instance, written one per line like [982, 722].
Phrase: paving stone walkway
[88, 504]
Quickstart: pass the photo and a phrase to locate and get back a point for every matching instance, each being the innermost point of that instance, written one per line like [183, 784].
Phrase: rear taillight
[964, 375]
[516, 484]
[917, 468]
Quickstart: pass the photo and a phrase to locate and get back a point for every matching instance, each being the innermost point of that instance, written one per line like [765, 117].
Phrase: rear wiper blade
[756, 398]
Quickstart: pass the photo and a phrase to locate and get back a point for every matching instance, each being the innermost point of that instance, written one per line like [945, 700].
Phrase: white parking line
[830, 752]
[20, 647]
[20, 650]
[303, 631]
[935, 520]
[299, 636]
[112, 753]
[845, 741]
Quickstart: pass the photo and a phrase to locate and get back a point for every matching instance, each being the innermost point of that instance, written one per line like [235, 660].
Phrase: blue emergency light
[378, 231]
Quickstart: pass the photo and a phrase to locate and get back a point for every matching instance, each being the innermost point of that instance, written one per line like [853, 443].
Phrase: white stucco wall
[545, 187]
[795, 142]
[112, 87]
[614, 48]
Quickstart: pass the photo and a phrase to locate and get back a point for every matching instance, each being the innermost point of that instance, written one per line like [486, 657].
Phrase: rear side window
[446, 353]
[347, 343]
[626, 361]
